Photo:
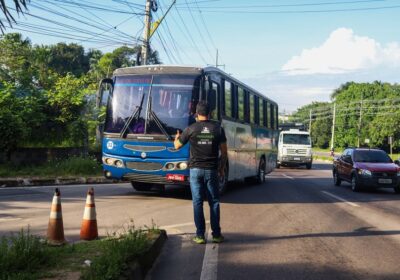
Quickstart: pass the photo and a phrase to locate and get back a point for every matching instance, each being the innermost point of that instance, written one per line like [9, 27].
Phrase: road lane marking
[209, 271]
[180, 225]
[341, 199]
[9, 219]
[284, 175]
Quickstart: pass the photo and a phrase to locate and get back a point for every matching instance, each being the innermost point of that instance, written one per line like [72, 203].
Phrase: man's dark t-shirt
[204, 138]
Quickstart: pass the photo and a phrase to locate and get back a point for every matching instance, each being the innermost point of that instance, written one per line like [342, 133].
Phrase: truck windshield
[298, 139]
[149, 104]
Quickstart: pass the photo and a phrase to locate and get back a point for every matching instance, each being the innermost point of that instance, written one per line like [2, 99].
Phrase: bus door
[213, 99]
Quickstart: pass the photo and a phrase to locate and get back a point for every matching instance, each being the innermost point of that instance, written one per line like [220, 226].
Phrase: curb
[139, 269]
[30, 182]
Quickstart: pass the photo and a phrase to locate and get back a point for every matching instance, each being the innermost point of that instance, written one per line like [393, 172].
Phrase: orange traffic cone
[89, 223]
[55, 230]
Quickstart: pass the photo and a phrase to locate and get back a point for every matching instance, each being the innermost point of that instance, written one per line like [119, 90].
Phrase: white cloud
[344, 52]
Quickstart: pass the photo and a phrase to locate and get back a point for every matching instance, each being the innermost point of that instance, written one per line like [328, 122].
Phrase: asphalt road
[297, 225]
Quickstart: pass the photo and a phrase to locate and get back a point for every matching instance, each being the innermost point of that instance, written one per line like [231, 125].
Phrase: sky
[294, 52]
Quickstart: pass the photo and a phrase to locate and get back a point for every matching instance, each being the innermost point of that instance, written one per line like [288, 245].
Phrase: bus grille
[144, 166]
[138, 148]
[146, 178]
[296, 151]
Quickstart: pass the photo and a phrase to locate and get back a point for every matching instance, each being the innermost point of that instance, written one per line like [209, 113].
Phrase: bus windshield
[147, 104]
[297, 139]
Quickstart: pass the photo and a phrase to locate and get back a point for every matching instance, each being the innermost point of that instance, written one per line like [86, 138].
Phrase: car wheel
[355, 186]
[278, 165]
[223, 180]
[397, 189]
[261, 171]
[142, 187]
[336, 179]
[308, 165]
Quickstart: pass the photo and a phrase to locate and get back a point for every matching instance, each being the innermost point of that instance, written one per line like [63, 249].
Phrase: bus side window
[268, 116]
[241, 107]
[213, 100]
[228, 99]
[261, 112]
[252, 111]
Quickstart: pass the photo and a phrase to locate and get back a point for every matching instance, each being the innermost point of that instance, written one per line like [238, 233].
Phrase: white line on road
[209, 270]
[180, 225]
[9, 219]
[284, 175]
[341, 199]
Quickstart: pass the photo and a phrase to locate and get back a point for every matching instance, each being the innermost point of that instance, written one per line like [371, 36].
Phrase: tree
[20, 7]
[15, 60]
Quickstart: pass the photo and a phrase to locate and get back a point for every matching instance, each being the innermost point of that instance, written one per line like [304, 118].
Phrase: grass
[73, 166]
[25, 256]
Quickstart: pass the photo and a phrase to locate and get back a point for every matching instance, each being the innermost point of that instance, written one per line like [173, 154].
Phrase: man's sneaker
[218, 239]
[199, 240]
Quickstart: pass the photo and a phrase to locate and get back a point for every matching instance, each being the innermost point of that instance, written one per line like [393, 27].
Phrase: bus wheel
[141, 187]
[261, 171]
[223, 180]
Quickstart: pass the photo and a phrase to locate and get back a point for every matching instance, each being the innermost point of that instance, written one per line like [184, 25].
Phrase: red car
[371, 168]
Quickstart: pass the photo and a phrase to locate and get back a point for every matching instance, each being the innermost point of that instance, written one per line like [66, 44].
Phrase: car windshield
[299, 139]
[371, 156]
[147, 104]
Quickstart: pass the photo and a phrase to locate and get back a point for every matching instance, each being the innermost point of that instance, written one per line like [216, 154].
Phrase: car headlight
[365, 172]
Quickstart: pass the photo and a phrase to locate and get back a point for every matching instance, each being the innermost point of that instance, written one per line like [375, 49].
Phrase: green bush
[72, 166]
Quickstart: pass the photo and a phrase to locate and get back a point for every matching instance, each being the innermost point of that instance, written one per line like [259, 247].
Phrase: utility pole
[309, 125]
[216, 61]
[149, 29]
[146, 32]
[333, 127]
[360, 121]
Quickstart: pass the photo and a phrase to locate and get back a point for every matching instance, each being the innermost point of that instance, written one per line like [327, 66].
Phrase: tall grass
[71, 166]
[21, 255]
[117, 253]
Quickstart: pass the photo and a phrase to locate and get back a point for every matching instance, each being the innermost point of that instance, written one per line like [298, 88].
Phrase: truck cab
[294, 148]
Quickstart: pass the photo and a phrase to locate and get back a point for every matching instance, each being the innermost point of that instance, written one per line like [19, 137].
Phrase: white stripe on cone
[89, 214]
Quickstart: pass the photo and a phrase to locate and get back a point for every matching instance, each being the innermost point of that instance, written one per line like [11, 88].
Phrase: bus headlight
[109, 161]
[182, 165]
[118, 163]
[170, 166]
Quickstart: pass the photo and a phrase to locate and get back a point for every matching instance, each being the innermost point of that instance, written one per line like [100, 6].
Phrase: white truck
[294, 148]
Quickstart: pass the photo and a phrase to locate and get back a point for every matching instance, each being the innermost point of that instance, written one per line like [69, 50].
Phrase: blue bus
[148, 104]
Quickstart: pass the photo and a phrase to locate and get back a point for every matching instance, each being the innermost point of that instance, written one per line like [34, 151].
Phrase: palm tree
[20, 6]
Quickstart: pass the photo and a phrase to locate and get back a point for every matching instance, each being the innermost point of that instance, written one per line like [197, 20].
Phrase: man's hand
[221, 172]
[177, 143]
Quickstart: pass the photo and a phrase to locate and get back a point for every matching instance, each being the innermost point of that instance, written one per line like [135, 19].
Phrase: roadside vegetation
[366, 114]
[25, 256]
[73, 166]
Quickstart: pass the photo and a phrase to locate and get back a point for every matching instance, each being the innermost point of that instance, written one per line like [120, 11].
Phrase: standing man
[206, 139]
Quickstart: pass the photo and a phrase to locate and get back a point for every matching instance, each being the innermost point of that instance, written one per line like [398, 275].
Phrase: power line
[190, 36]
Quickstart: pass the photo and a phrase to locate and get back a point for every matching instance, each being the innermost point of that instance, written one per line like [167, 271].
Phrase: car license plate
[296, 158]
[384, 181]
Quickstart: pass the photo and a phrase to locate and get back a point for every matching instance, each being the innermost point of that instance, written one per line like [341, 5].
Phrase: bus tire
[141, 187]
[223, 180]
[261, 171]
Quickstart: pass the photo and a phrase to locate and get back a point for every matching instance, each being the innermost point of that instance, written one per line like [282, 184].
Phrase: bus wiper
[159, 124]
[135, 116]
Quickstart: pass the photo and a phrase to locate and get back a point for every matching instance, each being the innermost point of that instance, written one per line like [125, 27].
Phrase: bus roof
[181, 69]
[161, 69]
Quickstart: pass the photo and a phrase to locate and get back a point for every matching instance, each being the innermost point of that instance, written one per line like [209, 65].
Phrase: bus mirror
[212, 96]
[105, 86]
